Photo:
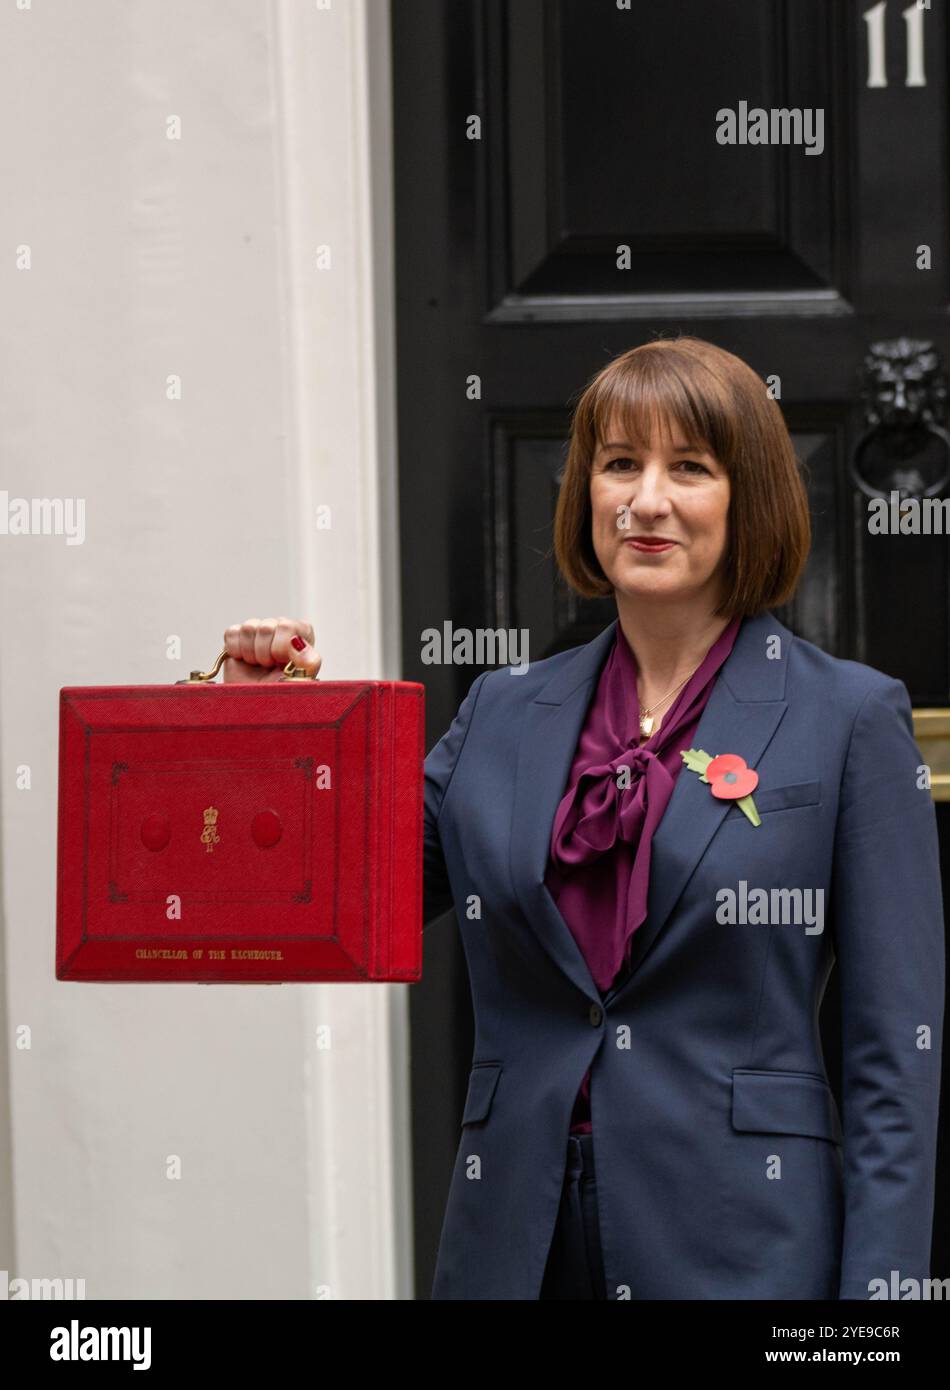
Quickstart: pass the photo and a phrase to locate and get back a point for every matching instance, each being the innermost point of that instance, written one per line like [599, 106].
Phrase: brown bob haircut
[719, 405]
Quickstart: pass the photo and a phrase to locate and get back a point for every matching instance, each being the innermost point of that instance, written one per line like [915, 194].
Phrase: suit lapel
[553, 723]
[741, 716]
[743, 712]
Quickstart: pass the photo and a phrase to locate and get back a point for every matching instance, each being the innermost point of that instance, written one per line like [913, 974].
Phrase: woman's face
[680, 495]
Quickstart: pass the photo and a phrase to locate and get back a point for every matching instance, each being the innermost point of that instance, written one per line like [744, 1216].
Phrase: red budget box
[240, 832]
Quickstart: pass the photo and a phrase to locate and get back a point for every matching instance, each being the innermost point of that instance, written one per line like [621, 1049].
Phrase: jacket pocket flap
[784, 1102]
[481, 1089]
[782, 798]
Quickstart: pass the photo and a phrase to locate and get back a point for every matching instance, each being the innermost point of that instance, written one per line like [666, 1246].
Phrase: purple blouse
[598, 872]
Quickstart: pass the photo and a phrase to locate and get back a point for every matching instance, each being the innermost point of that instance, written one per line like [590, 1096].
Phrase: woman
[647, 947]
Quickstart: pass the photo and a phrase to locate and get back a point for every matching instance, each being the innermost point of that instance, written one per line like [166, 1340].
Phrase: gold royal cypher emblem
[209, 835]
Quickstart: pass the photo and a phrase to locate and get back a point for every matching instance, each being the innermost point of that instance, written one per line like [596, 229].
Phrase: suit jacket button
[596, 1014]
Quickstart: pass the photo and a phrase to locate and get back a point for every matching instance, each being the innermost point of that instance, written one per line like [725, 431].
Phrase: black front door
[574, 178]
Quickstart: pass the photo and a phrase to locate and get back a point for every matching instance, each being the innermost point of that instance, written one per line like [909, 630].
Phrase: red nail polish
[297, 643]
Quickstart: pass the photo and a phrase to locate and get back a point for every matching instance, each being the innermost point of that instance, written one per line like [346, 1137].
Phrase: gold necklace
[646, 714]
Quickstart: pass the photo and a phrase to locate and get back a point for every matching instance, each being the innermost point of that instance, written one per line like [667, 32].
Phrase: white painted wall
[195, 257]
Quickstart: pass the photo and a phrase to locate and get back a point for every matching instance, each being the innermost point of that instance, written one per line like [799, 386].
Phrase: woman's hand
[259, 649]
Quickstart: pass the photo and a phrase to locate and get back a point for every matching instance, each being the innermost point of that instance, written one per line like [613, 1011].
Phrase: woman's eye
[621, 465]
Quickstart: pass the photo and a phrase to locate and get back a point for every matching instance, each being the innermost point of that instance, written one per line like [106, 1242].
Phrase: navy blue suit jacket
[724, 1167]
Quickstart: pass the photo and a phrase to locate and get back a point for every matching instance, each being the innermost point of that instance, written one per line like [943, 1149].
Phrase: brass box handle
[291, 672]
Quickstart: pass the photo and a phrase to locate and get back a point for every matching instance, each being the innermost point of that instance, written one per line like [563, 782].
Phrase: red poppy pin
[729, 777]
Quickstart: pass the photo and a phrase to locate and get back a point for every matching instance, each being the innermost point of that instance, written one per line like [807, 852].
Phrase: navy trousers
[574, 1266]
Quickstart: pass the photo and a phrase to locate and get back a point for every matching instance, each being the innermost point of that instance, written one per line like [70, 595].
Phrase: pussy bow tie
[605, 807]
